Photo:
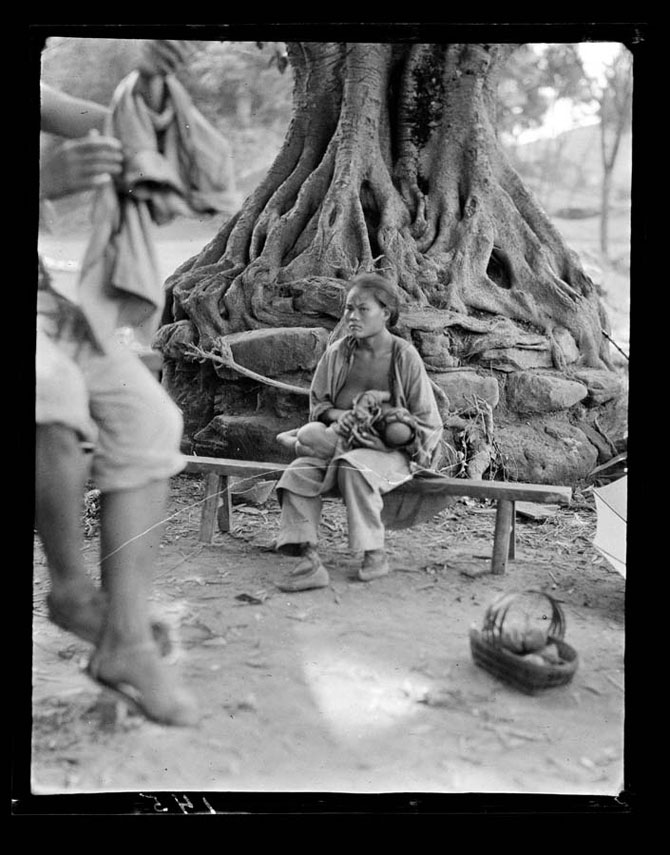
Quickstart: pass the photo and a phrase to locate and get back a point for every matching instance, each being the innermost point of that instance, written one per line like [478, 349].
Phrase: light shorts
[112, 400]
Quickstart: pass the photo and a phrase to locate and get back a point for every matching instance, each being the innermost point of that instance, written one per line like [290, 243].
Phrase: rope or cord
[611, 340]
[226, 358]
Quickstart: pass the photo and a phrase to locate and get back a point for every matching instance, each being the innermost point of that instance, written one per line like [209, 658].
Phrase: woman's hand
[345, 423]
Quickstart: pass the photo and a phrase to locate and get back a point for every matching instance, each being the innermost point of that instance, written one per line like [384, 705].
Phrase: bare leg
[75, 604]
[127, 657]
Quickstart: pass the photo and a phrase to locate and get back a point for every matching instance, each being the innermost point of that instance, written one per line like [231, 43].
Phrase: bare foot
[288, 439]
[136, 672]
[80, 608]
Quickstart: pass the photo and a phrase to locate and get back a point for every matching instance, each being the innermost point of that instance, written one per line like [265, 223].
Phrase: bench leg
[512, 535]
[225, 512]
[210, 506]
[502, 540]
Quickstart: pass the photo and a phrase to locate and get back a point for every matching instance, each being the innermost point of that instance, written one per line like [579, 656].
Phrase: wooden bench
[217, 504]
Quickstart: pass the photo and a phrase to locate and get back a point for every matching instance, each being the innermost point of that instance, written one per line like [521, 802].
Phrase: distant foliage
[245, 90]
[88, 68]
[615, 97]
[240, 82]
[533, 79]
[235, 82]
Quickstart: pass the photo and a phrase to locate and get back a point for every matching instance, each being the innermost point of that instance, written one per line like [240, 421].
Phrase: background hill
[565, 171]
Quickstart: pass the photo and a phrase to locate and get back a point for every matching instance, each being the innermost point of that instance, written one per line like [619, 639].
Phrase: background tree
[390, 157]
[533, 79]
[392, 162]
[615, 102]
[536, 80]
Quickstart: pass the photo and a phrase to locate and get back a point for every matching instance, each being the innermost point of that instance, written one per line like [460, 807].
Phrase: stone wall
[501, 397]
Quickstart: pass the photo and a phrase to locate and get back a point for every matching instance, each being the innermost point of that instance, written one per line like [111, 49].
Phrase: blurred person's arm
[67, 116]
[88, 159]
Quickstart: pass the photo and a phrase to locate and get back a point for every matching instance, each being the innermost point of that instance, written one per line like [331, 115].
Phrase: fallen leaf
[248, 704]
[218, 641]
[534, 511]
[448, 698]
[587, 763]
[250, 600]
[474, 572]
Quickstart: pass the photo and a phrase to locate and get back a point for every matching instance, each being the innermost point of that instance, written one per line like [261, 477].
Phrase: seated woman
[369, 358]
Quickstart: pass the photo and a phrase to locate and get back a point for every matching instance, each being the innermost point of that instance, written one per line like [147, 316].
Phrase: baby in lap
[373, 416]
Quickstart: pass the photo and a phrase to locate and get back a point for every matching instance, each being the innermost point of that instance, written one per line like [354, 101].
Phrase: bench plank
[217, 504]
[496, 490]
[228, 466]
[476, 489]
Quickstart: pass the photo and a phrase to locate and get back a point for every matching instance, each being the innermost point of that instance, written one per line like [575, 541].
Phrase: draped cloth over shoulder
[176, 164]
[410, 389]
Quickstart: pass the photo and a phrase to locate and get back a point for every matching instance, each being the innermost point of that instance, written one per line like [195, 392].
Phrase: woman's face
[364, 316]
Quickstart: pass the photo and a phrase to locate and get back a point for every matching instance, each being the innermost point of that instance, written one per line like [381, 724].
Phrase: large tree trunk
[391, 162]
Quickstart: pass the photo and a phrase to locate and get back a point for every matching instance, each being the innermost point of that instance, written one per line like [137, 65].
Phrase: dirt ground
[356, 688]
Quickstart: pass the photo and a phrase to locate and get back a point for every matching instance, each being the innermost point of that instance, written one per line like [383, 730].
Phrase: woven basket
[489, 653]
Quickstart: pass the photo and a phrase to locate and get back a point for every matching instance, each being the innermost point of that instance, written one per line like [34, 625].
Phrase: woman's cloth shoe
[310, 573]
[375, 564]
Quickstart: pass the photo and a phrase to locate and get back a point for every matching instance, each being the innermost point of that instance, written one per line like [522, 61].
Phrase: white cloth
[611, 527]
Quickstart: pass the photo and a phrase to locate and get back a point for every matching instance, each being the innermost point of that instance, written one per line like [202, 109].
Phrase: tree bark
[390, 163]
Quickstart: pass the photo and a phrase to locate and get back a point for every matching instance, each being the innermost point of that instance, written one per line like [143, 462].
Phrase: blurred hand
[163, 56]
[80, 164]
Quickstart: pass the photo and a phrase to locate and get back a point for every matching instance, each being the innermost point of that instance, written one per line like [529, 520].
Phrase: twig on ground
[614, 682]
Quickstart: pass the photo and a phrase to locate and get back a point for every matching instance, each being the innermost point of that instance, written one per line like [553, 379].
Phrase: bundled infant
[371, 415]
